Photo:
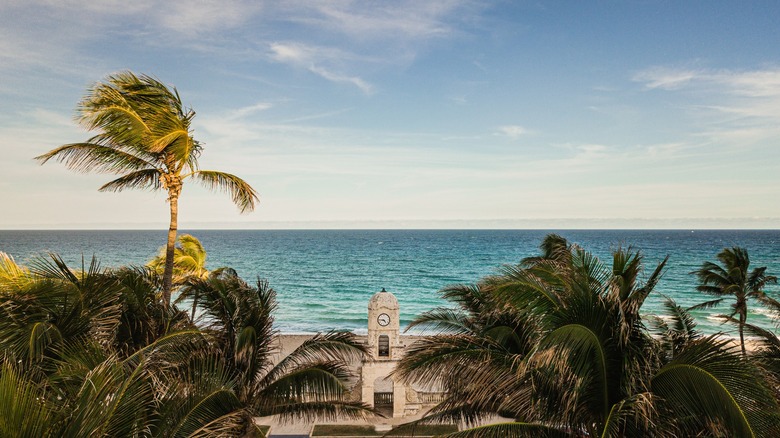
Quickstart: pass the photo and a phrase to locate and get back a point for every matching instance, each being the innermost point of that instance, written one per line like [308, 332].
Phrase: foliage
[94, 352]
[574, 356]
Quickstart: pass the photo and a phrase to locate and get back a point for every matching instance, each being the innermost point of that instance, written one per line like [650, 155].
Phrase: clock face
[383, 319]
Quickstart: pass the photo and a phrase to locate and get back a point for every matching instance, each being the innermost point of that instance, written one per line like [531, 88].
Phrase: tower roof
[384, 300]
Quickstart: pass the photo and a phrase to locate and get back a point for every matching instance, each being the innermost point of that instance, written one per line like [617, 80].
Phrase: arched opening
[384, 346]
[383, 395]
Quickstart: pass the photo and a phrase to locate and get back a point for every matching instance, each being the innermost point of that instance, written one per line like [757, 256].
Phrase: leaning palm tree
[144, 135]
[732, 279]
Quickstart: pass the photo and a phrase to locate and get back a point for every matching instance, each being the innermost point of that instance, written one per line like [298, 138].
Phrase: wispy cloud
[405, 19]
[207, 15]
[666, 78]
[512, 131]
[247, 110]
[311, 57]
[750, 83]
[733, 107]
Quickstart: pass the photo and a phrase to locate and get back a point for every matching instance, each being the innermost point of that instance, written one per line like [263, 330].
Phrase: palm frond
[443, 320]
[242, 194]
[93, 157]
[142, 179]
[25, 412]
[710, 382]
[512, 430]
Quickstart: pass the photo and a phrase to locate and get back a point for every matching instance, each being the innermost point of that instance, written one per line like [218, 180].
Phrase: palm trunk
[168, 272]
[742, 320]
[194, 305]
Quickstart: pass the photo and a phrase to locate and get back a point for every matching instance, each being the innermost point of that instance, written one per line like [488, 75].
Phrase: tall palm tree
[144, 135]
[732, 279]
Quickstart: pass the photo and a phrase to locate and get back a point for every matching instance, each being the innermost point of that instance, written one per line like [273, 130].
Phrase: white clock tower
[384, 326]
[385, 349]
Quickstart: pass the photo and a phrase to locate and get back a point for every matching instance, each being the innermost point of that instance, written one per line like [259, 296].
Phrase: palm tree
[592, 367]
[144, 135]
[311, 381]
[189, 259]
[94, 352]
[732, 279]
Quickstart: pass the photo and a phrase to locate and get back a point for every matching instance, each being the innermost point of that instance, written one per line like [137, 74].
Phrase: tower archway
[383, 395]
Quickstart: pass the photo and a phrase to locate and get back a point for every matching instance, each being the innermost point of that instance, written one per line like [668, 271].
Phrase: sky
[412, 114]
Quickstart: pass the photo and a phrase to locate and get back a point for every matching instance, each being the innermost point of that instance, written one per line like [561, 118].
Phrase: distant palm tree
[189, 260]
[732, 279]
[144, 135]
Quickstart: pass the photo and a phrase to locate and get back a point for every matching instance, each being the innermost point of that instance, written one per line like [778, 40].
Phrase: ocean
[324, 278]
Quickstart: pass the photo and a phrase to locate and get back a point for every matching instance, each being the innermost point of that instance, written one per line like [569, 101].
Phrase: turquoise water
[324, 277]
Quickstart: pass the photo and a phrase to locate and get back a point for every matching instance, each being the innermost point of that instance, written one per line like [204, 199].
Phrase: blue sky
[526, 114]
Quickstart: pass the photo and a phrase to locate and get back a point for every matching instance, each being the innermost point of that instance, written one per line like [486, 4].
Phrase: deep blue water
[324, 277]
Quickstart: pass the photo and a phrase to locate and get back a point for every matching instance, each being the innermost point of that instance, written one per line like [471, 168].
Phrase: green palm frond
[189, 259]
[443, 320]
[554, 248]
[471, 298]
[107, 402]
[242, 194]
[332, 347]
[320, 411]
[436, 360]
[709, 382]
[12, 275]
[25, 411]
[626, 267]
[317, 381]
[141, 179]
[637, 298]
[512, 430]
[93, 157]
[203, 413]
[632, 416]
[579, 350]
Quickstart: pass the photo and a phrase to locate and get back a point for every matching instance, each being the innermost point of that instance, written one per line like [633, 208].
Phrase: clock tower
[379, 388]
[384, 326]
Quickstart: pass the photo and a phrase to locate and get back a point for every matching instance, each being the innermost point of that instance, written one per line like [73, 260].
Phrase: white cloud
[666, 78]
[749, 83]
[334, 77]
[247, 110]
[512, 131]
